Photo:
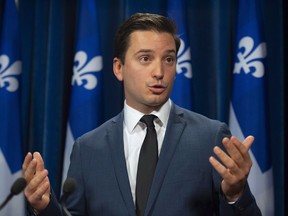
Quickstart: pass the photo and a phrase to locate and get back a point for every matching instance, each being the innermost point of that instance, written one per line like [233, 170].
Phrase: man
[187, 179]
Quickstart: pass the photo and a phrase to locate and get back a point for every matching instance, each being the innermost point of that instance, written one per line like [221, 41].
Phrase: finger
[248, 141]
[30, 170]
[42, 190]
[226, 160]
[219, 167]
[233, 151]
[27, 160]
[37, 196]
[36, 182]
[40, 161]
[244, 147]
[47, 182]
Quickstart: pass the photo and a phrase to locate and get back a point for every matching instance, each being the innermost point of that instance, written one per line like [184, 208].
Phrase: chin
[158, 102]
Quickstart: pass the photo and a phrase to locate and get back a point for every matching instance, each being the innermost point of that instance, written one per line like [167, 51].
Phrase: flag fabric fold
[10, 126]
[248, 108]
[182, 90]
[86, 94]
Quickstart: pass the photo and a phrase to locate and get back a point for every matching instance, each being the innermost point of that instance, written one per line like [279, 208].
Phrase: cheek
[138, 75]
[170, 76]
[134, 82]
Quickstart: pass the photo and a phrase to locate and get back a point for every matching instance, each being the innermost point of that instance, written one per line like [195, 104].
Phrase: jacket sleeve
[53, 208]
[245, 206]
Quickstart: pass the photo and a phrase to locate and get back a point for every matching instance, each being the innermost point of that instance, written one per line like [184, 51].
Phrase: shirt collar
[133, 116]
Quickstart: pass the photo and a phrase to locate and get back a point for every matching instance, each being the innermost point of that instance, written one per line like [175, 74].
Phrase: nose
[158, 70]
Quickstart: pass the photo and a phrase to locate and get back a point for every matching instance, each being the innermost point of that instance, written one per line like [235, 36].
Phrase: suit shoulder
[193, 117]
[201, 125]
[101, 130]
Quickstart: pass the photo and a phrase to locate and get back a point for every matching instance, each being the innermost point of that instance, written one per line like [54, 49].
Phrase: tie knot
[148, 120]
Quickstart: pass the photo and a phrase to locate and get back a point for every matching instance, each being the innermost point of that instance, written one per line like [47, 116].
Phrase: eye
[144, 59]
[170, 59]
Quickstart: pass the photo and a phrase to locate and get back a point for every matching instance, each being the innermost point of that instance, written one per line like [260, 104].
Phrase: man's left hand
[235, 167]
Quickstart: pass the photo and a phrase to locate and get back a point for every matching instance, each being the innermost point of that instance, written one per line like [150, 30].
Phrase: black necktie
[146, 165]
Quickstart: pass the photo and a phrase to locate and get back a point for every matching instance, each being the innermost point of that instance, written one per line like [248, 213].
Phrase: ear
[118, 68]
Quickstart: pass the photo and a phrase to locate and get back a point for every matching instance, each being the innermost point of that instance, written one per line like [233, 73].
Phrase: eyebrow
[151, 51]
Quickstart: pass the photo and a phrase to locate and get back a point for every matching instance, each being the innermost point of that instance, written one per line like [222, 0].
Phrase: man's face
[149, 70]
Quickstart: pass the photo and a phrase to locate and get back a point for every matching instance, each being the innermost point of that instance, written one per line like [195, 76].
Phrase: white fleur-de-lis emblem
[8, 79]
[84, 72]
[249, 59]
[184, 61]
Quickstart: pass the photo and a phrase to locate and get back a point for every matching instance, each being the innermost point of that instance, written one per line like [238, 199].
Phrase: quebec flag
[10, 126]
[182, 90]
[248, 110]
[86, 94]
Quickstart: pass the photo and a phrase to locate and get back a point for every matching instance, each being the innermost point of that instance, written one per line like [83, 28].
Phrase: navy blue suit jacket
[185, 183]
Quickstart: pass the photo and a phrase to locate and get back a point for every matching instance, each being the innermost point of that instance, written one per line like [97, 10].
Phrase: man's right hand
[38, 188]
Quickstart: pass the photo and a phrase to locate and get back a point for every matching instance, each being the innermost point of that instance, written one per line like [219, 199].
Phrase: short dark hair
[142, 22]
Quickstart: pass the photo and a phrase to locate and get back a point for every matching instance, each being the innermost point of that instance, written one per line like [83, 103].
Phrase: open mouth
[157, 89]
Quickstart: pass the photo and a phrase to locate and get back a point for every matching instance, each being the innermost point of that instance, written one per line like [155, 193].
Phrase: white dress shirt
[134, 133]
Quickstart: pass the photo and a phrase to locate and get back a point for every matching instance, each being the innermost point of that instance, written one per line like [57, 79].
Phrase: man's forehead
[149, 41]
[141, 33]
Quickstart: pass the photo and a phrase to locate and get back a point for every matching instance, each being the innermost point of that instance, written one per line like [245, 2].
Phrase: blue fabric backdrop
[48, 39]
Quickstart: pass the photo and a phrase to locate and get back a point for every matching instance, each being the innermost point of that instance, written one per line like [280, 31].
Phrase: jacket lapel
[175, 127]
[115, 140]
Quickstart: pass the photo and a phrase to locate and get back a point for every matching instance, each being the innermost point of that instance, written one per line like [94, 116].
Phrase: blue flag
[182, 90]
[10, 126]
[248, 111]
[86, 94]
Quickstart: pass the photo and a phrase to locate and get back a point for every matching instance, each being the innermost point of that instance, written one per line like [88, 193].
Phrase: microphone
[16, 188]
[68, 188]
